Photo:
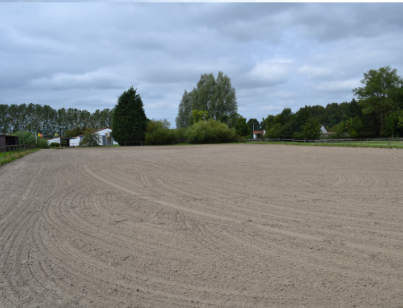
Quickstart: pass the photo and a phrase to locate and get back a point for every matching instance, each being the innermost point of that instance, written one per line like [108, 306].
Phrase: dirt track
[199, 226]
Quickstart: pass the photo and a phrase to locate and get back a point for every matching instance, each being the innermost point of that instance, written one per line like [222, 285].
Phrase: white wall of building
[54, 140]
[105, 137]
[75, 142]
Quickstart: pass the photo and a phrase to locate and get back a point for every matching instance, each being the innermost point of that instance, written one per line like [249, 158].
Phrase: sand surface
[199, 226]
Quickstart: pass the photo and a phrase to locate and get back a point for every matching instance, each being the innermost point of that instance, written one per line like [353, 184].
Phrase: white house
[75, 141]
[54, 140]
[104, 137]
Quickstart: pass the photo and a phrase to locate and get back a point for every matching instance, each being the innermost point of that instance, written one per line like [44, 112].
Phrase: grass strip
[359, 144]
[7, 157]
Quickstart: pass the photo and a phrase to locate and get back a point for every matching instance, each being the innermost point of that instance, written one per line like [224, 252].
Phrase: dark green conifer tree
[129, 120]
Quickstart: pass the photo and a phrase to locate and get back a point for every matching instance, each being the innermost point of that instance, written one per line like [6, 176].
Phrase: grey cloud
[87, 80]
[85, 55]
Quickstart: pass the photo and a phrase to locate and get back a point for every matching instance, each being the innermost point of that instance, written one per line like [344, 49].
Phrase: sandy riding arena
[203, 226]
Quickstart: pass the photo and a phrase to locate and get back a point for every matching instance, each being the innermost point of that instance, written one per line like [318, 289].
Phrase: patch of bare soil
[199, 226]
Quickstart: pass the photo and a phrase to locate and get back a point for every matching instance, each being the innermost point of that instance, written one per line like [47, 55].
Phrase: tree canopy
[376, 111]
[381, 97]
[215, 96]
[36, 118]
[129, 120]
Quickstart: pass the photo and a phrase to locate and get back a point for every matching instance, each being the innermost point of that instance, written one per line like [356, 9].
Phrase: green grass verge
[7, 157]
[359, 144]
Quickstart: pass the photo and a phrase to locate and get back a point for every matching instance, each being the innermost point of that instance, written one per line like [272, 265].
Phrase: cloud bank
[84, 55]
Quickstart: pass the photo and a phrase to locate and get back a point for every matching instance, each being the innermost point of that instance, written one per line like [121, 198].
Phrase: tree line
[130, 126]
[377, 112]
[35, 118]
[208, 113]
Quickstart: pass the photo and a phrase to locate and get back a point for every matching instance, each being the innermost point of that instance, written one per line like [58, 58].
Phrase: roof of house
[98, 130]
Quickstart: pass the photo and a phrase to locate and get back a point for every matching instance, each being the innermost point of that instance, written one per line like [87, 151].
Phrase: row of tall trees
[36, 118]
[307, 121]
[377, 112]
[213, 98]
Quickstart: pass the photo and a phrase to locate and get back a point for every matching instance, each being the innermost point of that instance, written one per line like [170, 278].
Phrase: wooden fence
[328, 140]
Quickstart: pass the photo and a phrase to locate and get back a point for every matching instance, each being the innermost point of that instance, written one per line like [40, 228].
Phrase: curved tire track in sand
[202, 226]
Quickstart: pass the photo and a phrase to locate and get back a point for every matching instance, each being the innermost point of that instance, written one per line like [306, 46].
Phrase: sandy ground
[199, 226]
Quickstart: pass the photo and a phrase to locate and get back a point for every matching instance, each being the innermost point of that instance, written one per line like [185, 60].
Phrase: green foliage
[180, 135]
[158, 133]
[347, 119]
[42, 143]
[378, 95]
[241, 127]
[7, 157]
[350, 128]
[281, 125]
[184, 118]
[253, 124]
[25, 137]
[210, 131]
[30, 139]
[129, 120]
[354, 127]
[400, 122]
[274, 131]
[199, 115]
[54, 145]
[340, 130]
[212, 95]
[90, 139]
[377, 113]
[48, 121]
[394, 123]
[74, 132]
[311, 129]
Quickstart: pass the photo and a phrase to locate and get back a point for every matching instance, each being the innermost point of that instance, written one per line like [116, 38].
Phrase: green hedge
[210, 131]
[158, 133]
[28, 138]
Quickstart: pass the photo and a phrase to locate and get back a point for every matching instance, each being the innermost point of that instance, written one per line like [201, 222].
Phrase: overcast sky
[84, 55]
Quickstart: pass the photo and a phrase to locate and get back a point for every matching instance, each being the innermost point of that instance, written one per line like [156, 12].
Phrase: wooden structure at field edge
[8, 143]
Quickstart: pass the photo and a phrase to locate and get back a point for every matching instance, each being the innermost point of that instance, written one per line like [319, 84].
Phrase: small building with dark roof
[7, 141]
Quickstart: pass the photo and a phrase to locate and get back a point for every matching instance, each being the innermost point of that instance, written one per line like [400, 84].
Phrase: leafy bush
[311, 129]
[54, 145]
[28, 138]
[241, 127]
[180, 135]
[42, 143]
[210, 131]
[199, 115]
[25, 137]
[89, 140]
[158, 133]
[340, 130]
